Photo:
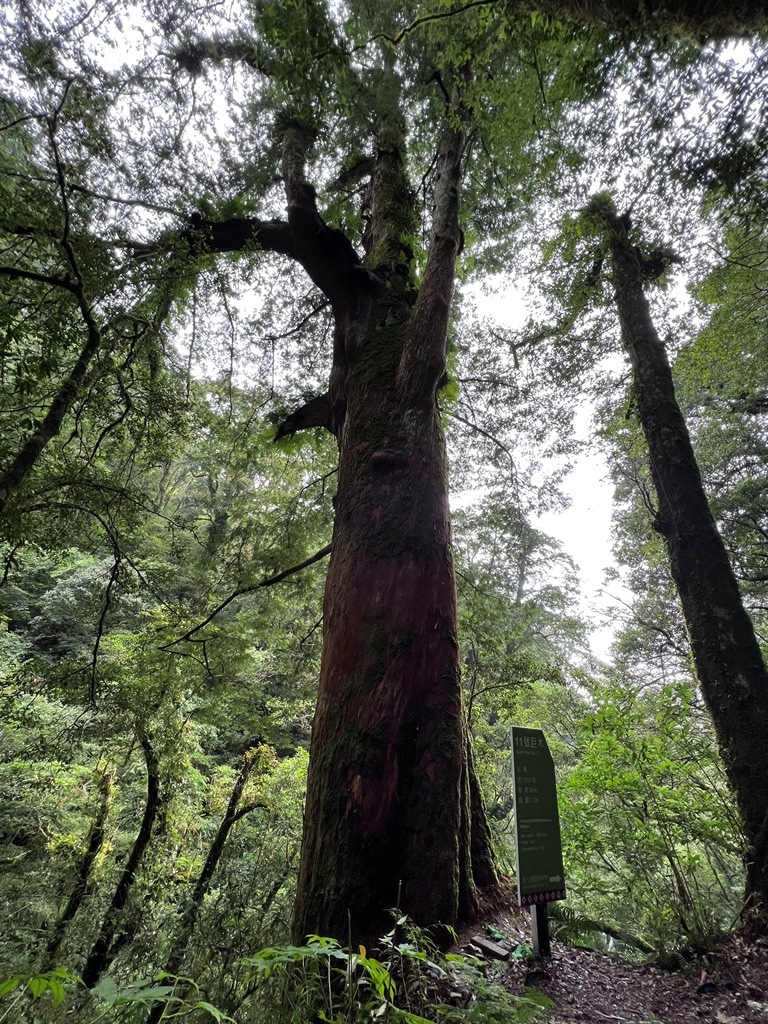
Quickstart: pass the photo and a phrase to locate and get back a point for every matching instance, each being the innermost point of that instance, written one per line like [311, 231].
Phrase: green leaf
[144, 995]
[214, 1012]
[106, 990]
[39, 984]
[9, 985]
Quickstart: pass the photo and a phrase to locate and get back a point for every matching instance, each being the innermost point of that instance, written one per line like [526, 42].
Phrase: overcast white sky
[584, 528]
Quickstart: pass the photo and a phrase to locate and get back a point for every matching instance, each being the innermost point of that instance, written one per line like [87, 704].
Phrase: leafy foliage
[651, 836]
[143, 539]
[409, 981]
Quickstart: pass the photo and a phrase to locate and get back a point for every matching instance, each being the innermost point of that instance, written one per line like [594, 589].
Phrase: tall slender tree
[729, 663]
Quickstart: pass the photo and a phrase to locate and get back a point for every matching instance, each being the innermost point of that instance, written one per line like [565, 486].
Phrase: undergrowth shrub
[409, 980]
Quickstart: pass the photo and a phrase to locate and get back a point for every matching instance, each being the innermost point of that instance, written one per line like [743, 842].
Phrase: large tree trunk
[387, 801]
[393, 811]
[389, 805]
[728, 660]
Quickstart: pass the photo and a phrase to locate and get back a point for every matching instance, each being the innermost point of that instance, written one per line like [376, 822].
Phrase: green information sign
[540, 876]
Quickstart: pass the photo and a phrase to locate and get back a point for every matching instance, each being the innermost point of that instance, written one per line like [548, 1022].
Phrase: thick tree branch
[234, 235]
[314, 413]
[33, 448]
[193, 55]
[93, 846]
[325, 253]
[72, 385]
[101, 954]
[422, 364]
[31, 275]
[698, 19]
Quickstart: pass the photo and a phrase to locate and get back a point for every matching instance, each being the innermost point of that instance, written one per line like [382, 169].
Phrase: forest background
[164, 553]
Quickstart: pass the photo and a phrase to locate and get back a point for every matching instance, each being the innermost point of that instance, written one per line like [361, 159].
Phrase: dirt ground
[729, 985]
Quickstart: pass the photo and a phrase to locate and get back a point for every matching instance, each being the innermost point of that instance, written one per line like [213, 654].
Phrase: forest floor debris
[727, 986]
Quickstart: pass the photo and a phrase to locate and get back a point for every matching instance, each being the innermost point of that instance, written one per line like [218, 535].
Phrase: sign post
[540, 875]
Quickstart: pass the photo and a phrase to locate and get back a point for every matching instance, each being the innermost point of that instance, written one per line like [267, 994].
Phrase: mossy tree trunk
[728, 660]
[103, 951]
[389, 812]
[699, 20]
[93, 847]
[391, 794]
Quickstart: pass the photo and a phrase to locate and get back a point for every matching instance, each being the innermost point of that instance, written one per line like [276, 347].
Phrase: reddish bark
[386, 806]
[389, 812]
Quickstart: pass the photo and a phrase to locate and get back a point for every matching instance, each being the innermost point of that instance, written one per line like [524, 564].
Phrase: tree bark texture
[389, 805]
[728, 660]
[692, 19]
[388, 802]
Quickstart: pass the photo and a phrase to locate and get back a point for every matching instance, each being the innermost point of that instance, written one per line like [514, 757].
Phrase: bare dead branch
[31, 275]
[418, 22]
[268, 581]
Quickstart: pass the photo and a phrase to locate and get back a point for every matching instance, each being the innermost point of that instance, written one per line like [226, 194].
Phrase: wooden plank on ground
[492, 949]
